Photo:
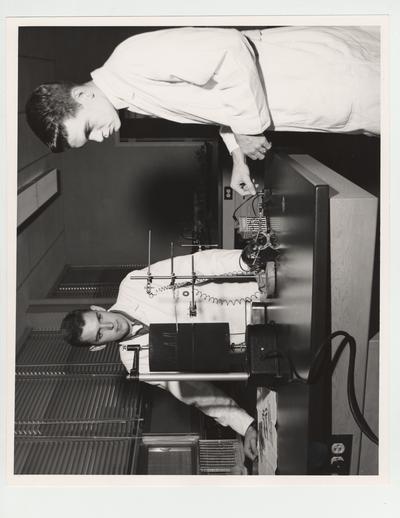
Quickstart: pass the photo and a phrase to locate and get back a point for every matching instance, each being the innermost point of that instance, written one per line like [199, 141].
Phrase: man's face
[96, 120]
[101, 327]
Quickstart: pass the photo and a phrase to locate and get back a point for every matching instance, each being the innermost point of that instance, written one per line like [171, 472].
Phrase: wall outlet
[340, 454]
[228, 193]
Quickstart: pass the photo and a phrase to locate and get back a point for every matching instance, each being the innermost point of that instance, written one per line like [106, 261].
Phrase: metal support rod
[192, 376]
[216, 245]
[192, 308]
[198, 277]
[149, 278]
[173, 277]
[149, 253]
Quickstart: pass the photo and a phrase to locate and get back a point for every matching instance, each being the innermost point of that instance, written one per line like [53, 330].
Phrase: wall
[109, 195]
[113, 195]
[40, 241]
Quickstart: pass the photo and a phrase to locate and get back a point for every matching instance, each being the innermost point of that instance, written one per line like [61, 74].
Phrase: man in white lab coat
[127, 321]
[285, 79]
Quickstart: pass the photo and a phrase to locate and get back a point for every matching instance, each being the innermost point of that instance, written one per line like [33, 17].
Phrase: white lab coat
[304, 79]
[227, 302]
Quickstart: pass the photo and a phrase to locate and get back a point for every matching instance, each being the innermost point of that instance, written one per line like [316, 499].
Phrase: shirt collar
[117, 91]
[132, 324]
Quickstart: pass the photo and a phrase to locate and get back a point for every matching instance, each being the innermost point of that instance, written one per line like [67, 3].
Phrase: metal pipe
[192, 308]
[216, 245]
[192, 376]
[149, 253]
[172, 259]
[149, 278]
[198, 277]
[173, 276]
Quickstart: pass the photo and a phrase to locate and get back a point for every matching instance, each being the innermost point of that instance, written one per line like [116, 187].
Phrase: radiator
[83, 456]
[221, 457]
[75, 413]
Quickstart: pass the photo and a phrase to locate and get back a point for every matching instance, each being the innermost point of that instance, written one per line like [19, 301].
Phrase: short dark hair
[72, 326]
[49, 105]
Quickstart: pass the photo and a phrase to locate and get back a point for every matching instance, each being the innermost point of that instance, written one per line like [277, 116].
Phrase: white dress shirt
[225, 302]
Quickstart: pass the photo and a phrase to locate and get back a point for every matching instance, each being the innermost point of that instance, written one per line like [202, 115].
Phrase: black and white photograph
[198, 248]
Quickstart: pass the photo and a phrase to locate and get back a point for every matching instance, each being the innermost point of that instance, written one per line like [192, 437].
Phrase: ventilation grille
[93, 291]
[73, 456]
[74, 415]
[91, 281]
[69, 370]
[47, 348]
[220, 457]
[109, 429]
[75, 399]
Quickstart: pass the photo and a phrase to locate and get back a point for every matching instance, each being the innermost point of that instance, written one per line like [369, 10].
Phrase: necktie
[144, 329]
[135, 322]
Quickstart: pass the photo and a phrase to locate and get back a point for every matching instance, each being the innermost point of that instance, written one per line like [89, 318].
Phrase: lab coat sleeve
[204, 395]
[134, 300]
[210, 400]
[214, 261]
[240, 88]
[218, 59]
[229, 138]
[219, 262]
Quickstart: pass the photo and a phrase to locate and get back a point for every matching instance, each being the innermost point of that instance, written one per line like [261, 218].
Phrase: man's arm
[240, 179]
[213, 261]
[217, 59]
[210, 400]
[240, 87]
[250, 442]
[204, 395]
[253, 146]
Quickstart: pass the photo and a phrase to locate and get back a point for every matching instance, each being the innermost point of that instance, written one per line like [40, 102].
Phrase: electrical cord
[351, 392]
[256, 196]
[243, 266]
[241, 205]
[321, 363]
[232, 301]
[210, 298]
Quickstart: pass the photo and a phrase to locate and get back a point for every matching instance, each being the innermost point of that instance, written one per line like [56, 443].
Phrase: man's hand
[240, 179]
[253, 146]
[250, 443]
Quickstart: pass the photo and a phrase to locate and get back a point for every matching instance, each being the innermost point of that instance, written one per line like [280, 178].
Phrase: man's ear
[97, 308]
[81, 93]
[94, 348]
